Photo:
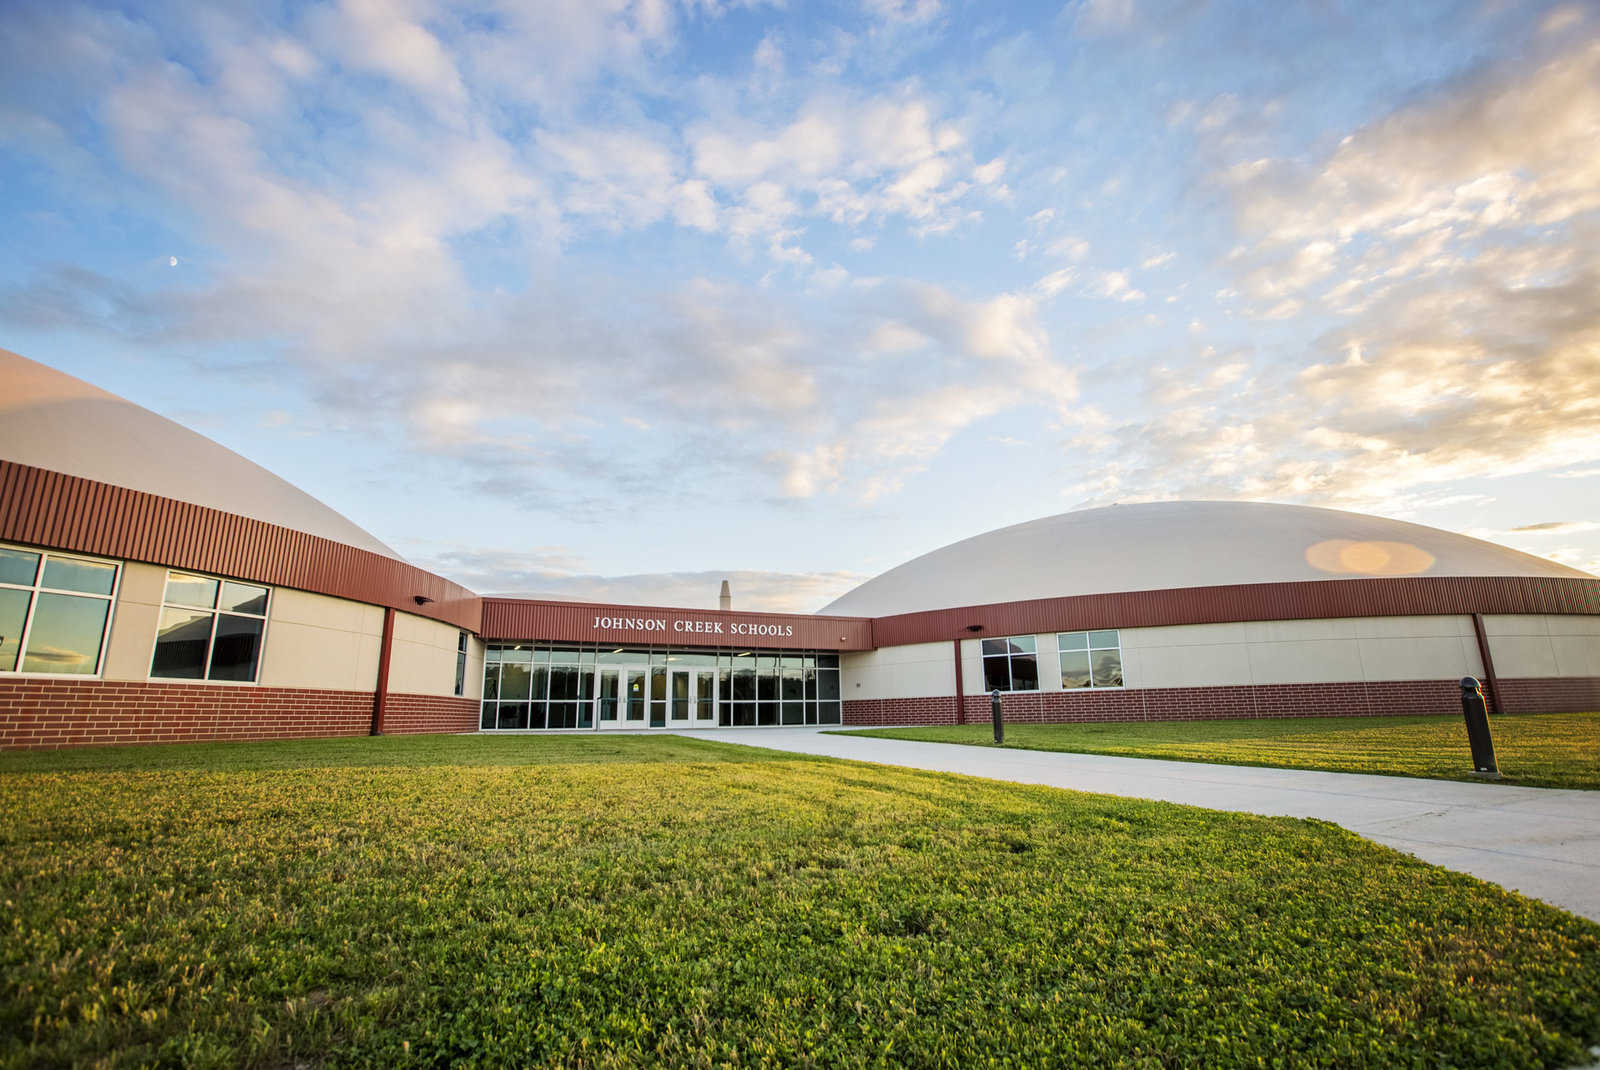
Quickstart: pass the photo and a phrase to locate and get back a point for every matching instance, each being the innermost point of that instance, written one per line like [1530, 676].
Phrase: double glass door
[657, 697]
[693, 694]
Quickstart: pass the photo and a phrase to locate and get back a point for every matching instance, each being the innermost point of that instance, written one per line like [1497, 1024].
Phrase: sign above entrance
[526, 619]
[696, 627]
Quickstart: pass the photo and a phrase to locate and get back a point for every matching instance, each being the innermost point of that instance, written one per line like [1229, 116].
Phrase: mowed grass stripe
[663, 901]
[1554, 750]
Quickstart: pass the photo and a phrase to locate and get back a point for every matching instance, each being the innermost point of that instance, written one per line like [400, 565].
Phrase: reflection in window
[1010, 664]
[55, 610]
[1090, 659]
[210, 629]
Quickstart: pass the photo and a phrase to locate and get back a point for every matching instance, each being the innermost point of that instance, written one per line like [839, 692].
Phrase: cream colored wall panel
[1183, 635]
[853, 669]
[1218, 665]
[913, 671]
[1521, 624]
[1411, 627]
[972, 666]
[421, 669]
[1573, 625]
[410, 628]
[1523, 655]
[132, 641]
[423, 659]
[475, 649]
[1471, 656]
[142, 583]
[133, 622]
[1300, 631]
[1415, 658]
[1576, 655]
[368, 650]
[1050, 663]
[302, 655]
[1306, 662]
[323, 611]
[314, 640]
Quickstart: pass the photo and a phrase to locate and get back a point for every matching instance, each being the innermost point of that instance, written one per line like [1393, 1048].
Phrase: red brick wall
[411, 714]
[1552, 694]
[47, 714]
[1177, 703]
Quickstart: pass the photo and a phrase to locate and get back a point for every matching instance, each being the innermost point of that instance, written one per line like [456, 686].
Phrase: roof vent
[725, 598]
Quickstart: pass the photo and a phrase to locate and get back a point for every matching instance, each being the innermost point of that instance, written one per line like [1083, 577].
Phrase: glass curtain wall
[538, 686]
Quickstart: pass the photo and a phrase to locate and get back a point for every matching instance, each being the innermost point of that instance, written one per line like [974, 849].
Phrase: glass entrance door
[682, 698]
[608, 698]
[694, 699]
[705, 699]
[635, 697]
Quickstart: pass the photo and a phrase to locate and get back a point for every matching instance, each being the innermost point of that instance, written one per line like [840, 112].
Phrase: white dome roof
[50, 420]
[1165, 545]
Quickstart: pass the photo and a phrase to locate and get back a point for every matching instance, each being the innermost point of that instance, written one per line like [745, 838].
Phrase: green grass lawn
[1549, 750]
[648, 900]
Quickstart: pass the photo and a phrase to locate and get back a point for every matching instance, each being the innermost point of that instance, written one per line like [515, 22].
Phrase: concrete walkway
[1542, 842]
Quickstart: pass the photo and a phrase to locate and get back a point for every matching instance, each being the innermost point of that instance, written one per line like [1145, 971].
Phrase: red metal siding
[49, 509]
[531, 619]
[1345, 699]
[1303, 600]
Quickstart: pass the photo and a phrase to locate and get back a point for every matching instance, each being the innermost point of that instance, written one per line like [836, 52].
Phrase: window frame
[1089, 649]
[1011, 677]
[118, 567]
[211, 640]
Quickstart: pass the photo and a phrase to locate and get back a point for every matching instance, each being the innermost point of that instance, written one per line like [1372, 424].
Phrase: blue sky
[613, 298]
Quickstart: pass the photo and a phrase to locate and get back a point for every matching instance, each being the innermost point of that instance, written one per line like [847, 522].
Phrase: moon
[172, 261]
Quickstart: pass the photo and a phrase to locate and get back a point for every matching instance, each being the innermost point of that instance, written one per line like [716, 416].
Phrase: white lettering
[698, 627]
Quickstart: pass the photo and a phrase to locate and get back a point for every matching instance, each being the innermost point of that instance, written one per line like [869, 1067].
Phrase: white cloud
[852, 161]
[1095, 17]
[899, 11]
[1115, 285]
[1071, 247]
[1056, 282]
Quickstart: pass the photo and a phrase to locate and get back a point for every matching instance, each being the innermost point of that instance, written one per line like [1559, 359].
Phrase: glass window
[18, 567]
[1075, 668]
[55, 610]
[1107, 665]
[66, 634]
[210, 629]
[181, 643]
[461, 664]
[186, 590]
[13, 617]
[1011, 664]
[72, 574]
[516, 680]
[236, 647]
[243, 598]
[1091, 659]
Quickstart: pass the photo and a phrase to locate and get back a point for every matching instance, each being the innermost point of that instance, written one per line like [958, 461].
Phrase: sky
[612, 299]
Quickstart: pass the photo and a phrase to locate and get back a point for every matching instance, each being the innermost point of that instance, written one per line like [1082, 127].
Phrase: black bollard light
[999, 721]
[1477, 714]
